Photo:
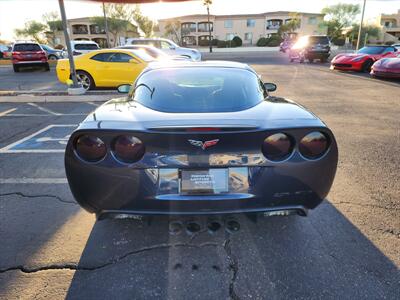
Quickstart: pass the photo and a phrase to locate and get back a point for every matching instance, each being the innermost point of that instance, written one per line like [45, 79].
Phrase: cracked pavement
[348, 247]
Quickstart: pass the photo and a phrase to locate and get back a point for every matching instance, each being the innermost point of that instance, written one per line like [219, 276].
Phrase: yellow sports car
[105, 68]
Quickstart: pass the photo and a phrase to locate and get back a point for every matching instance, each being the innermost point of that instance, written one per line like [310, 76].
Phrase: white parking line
[33, 180]
[7, 148]
[41, 115]
[44, 109]
[92, 103]
[4, 113]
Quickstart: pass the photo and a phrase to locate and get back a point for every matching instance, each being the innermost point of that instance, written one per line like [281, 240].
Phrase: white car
[167, 46]
[82, 47]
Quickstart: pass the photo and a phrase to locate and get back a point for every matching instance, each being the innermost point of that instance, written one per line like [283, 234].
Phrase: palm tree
[208, 3]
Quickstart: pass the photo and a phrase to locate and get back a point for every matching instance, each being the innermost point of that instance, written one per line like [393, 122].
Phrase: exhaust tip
[232, 226]
[213, 226]
[192, 227]
[175, 227]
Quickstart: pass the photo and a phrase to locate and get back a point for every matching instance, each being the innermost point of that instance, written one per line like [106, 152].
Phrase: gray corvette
[200, 138]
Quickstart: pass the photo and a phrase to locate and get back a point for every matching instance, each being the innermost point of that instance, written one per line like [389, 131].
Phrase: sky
[14, 13]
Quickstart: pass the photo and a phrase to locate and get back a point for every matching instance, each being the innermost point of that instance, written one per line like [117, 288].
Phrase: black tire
[86, 80]
[366, 66]
[1, 55]
[52, 57]
[46, 67]
[16, 68]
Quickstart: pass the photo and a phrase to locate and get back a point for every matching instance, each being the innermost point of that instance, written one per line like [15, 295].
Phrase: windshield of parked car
[86, 47]
[199, 90]
[143, 55]
[27, 47]
[372, 50]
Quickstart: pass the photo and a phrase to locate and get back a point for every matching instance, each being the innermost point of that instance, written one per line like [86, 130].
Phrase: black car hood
[272, 113]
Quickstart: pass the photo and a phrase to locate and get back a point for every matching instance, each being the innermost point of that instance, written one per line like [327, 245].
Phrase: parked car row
[379, 60]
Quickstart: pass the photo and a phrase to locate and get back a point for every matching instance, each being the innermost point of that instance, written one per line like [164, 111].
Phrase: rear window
[86, 47]
[199, 90]
[319, 40]
[27, 47]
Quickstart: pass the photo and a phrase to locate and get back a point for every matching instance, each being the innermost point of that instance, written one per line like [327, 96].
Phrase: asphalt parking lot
[347, 248]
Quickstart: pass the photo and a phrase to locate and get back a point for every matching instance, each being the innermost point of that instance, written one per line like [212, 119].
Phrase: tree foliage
[291, 26]
[173, 31]
[338, 17]
[145, 23]
[115, 26]
[32, 29]
[54, 25]
[367, 31]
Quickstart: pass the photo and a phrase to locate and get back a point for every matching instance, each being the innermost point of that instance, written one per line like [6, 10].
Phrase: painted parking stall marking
[4, 113]
[51, 139]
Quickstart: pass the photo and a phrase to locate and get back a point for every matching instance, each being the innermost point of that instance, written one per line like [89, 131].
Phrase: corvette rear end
[126, 158]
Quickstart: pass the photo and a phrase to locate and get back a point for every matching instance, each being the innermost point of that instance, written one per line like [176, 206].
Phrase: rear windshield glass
[86, 47]
[319, 40]
[27, 47]
[372, 50]
[198, 90]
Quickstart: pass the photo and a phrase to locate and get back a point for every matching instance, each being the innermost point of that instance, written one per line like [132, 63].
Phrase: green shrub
[262, 42]
[274, 40]
[231, 44]
[215, 42]
[238, 41]
[221, 44]
[204, 43]
[389, 43]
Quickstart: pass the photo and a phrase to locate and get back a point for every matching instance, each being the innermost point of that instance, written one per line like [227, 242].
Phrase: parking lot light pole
[106, 26]
[361, 24]
[75, 83]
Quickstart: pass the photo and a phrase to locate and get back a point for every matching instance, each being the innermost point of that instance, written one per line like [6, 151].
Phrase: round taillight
[90, 148]
[128, 149]
[277, 146]
[313, 145]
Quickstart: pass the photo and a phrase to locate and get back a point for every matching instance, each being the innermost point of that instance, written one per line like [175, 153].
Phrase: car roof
[83, 42]
[201, 64]
[381, 46]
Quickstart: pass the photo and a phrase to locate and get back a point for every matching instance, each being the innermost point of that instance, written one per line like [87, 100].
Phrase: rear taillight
[90, 148]
[128, 149]
[277, 146]
[314, 145]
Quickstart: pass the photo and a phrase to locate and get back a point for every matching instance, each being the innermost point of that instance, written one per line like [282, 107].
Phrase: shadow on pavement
[322, 256]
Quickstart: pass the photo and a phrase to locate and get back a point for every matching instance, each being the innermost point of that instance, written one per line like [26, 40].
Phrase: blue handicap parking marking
[51, 139]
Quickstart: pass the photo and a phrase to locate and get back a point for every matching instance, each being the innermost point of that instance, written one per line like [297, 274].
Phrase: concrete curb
[53, 93]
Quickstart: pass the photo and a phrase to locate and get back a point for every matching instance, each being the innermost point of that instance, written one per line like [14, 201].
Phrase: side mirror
[124, 88]
[172, 48]
[270, 87]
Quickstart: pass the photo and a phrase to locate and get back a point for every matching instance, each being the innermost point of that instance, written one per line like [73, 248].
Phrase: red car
[387, 67]
[29, 54]
[363, 59]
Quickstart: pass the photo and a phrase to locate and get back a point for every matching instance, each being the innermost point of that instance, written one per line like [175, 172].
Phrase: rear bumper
[295, 184]
[29, 62]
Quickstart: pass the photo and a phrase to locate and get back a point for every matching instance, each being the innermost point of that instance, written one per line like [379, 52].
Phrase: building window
[228, 24]
[248, 36]
[312, 20]
[229, 36]
[96, 29]
[204, 40]
[274, 24]
[188, 27]
[251, 22]
[203, 26]
[80, 29]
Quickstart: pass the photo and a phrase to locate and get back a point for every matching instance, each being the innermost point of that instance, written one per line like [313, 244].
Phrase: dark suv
[28, 54]
[311, 47]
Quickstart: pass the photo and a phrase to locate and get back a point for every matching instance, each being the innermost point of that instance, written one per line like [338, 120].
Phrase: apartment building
[84, 29]
[250, 27]
[390, 26]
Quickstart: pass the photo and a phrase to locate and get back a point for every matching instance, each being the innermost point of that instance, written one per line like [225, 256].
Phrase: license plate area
[204, 181]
